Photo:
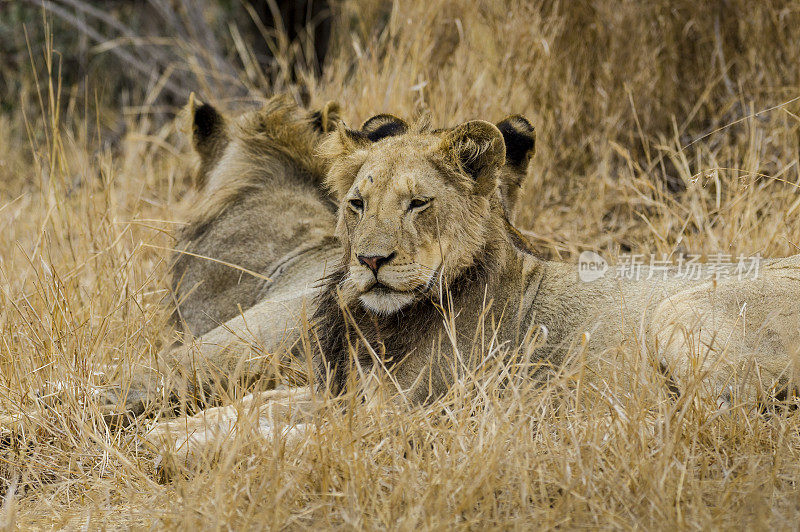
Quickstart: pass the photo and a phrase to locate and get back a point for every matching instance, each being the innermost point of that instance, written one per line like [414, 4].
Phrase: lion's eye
[419, 203]
[356, 204]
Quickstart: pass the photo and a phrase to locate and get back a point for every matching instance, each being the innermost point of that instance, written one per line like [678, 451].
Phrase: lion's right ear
[343, 146]
[475, 149]
[346, 141]
[342, 142]
[327, 117]
[345, 150]
[520, 139]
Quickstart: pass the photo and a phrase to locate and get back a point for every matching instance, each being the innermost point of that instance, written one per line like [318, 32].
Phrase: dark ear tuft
[206, 124]
[355, 138]
[381, 126]
[209, 135]
[520, 139]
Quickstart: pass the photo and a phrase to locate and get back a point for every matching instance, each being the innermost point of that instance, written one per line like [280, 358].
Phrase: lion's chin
[384, 302]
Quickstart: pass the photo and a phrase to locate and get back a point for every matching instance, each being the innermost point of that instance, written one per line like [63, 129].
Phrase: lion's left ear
[384, 125]
[477, 150]
[345, 142]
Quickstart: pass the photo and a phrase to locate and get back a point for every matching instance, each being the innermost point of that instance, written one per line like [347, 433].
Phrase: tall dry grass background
[662, 127]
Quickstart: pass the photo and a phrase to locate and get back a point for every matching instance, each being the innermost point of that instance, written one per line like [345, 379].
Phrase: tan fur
[259, 196]
[461, 244]
[686, 324]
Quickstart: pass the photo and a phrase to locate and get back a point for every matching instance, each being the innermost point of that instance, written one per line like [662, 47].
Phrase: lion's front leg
[284, 413]
[253, 346]
[116, 393]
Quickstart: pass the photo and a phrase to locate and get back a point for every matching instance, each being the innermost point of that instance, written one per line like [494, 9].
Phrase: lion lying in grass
[418, 254]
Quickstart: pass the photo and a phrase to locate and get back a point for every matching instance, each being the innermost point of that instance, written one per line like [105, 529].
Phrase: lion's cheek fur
[467, 239]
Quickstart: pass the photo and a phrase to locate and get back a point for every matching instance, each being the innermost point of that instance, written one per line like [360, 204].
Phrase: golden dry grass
[618, 92]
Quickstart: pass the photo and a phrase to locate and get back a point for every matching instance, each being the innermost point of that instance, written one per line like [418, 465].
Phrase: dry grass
[618, 93]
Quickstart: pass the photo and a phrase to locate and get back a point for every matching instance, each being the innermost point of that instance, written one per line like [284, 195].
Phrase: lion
[421, 240]
[419, 217]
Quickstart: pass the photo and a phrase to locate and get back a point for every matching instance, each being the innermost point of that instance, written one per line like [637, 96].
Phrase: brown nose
[374, 262]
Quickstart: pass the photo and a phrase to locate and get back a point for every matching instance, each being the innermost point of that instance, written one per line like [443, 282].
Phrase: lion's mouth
[380, 288]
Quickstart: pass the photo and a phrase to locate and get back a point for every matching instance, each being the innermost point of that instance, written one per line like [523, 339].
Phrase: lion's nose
[374, 262]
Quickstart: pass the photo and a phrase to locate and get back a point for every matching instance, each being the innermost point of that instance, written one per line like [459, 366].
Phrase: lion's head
[418, 208]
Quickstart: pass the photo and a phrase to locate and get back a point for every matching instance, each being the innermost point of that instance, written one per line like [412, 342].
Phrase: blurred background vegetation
[630, 72]
[151, 54]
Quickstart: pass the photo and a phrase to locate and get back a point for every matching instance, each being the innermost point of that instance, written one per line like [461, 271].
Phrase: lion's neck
[493, 281]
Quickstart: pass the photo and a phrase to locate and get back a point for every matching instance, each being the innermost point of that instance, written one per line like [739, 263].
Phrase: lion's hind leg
[730, 342]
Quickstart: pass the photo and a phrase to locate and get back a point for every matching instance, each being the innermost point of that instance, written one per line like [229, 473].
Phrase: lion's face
[414, 209]
[397, 216]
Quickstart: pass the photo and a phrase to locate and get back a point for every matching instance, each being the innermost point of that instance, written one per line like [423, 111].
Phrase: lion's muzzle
[374, 262]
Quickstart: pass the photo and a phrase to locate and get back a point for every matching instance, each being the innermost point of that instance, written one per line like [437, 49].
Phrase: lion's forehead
[397, 174]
